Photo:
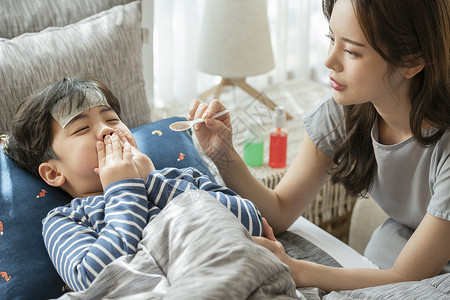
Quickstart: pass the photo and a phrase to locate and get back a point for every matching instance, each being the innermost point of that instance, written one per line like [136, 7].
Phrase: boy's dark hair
[29, 143]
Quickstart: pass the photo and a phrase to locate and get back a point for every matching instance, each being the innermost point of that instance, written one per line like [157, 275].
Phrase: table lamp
[235, 43]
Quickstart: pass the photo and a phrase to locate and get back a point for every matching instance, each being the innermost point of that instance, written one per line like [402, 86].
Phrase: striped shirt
[87, 234]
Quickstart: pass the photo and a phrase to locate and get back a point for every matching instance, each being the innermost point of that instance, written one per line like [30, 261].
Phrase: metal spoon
[185, 125]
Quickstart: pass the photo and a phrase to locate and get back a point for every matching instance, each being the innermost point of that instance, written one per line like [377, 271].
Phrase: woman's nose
[332, 61]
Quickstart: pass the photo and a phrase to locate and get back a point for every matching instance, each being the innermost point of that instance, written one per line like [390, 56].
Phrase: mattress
[341, 252]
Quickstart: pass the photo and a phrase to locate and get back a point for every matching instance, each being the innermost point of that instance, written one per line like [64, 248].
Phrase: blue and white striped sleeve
[164, 185]
[244, 209]
[89, 233]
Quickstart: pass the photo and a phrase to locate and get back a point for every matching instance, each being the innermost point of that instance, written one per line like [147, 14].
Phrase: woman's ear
[50, 174]
[413, 71]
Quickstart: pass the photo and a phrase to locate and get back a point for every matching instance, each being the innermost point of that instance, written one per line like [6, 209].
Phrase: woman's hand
[215, 135]
[270, 242]
[143, 163]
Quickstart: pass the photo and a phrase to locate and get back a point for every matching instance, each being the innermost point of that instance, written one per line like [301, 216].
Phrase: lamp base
[240, 82]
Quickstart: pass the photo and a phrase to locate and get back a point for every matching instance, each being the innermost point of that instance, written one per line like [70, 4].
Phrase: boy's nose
[105, 136]
[104, 132]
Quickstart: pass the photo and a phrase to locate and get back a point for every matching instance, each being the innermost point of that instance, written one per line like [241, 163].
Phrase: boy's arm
[170, 182]
[83, 238]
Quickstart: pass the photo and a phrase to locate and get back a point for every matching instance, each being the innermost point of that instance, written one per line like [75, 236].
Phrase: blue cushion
[25, 268]
[168, 148]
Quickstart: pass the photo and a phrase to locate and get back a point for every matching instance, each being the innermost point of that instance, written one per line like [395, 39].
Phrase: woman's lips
[336, 85]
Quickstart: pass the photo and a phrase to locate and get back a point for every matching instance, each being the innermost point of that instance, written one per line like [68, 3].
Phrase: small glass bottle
[254, 146]
[278, 139]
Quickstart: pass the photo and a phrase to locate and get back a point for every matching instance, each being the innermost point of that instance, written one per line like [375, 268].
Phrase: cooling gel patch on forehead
[65, 110]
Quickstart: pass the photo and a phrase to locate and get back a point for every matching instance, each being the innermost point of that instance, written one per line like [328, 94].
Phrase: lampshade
[235, 38]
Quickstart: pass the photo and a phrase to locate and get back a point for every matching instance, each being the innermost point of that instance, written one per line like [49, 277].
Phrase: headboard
[43, 41]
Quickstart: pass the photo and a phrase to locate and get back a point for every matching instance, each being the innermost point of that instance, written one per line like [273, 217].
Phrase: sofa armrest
[366, 217]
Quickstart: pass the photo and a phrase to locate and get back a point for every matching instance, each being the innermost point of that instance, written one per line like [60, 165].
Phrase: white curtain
[297, 27]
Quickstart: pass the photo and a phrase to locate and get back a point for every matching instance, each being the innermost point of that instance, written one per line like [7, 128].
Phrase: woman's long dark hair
[403, 32]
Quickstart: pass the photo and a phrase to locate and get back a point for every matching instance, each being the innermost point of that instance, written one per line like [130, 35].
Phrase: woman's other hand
[270, 242]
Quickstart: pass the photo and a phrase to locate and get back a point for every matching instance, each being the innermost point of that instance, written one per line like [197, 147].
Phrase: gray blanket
[196, 249]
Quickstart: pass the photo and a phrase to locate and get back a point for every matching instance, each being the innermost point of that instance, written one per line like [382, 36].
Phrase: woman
[385, 131]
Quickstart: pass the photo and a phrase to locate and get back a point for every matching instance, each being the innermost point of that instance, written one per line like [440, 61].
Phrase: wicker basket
[332, 210]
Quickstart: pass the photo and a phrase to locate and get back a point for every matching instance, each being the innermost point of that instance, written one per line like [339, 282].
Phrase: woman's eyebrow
[347, 40]
[353, 42]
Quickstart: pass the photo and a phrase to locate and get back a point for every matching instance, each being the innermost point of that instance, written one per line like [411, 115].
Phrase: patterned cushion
[25, 268]
[107, 45]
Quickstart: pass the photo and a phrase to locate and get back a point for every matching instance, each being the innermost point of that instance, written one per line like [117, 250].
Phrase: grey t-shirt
[410, 180]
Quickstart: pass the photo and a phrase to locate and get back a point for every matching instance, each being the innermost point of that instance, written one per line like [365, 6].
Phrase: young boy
[70, 134]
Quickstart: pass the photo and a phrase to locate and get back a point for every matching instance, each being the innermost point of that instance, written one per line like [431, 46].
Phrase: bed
[43, 41]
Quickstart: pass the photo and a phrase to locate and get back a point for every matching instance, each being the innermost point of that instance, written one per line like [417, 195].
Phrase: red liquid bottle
[278, 139]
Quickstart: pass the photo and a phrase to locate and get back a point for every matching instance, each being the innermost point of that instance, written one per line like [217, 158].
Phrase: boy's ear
[412, 71]
[50, 174]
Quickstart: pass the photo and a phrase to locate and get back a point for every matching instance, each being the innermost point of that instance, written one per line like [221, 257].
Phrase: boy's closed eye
[114, 120]
[80, 130]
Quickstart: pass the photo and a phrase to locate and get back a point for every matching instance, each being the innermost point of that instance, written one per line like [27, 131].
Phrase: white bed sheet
[341, 252]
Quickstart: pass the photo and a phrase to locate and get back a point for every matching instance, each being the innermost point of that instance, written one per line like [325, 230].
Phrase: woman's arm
[298, 188]
[294, 193]
[424, 256]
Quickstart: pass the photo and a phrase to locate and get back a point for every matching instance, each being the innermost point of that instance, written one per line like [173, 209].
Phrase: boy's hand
[115, 163]
[143, 163]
